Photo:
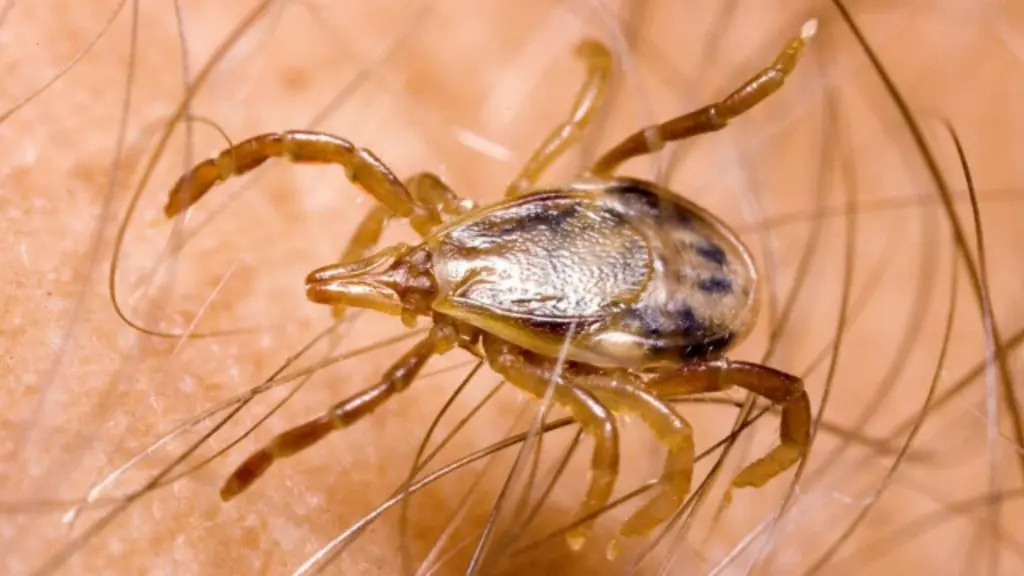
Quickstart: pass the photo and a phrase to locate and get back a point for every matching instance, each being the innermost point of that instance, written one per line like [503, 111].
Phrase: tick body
[643, 291]
[631, 275]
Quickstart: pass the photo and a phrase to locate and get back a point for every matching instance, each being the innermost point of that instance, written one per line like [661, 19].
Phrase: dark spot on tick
[712, 253]
[700, 349]
[638, 200]
[706, 348]
[689, 323]
[670, 322]
[642, 201]
[715, 285]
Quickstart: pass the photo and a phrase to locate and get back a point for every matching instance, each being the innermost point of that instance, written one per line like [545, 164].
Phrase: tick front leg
[429, 191]
[361, 166]
[397, 378]
[534, 374]
[713, 117]
[588, 101]
[778, 387]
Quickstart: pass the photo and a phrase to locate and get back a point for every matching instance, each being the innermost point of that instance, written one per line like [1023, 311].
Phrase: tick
[640, 291]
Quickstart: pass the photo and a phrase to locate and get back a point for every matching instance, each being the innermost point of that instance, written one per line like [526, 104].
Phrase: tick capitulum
[643, 291]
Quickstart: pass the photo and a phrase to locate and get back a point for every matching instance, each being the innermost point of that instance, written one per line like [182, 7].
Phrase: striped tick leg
[534, 374]
[588, 100]
[714, 116]
[624, 393]
[361, 167]
[781, 388]
[398, 377]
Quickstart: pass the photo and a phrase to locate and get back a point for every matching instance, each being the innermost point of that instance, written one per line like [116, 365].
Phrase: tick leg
[534, 375]
[780, 388]
[624, 393]
[361, 166]
[428, 190]
[709, 118]
[397, 378]
[363, 241]
[588, 100]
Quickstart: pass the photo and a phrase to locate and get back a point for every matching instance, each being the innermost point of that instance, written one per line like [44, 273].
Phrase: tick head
[397, 280]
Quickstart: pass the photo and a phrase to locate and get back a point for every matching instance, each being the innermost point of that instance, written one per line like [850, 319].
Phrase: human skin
[83, 392]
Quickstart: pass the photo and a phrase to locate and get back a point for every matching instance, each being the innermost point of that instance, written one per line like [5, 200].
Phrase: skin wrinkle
[116, 391]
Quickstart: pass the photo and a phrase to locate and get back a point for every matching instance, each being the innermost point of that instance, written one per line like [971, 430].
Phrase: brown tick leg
[709, 118]
[588, 100]
[363, 241]
[397, 378]
[783, 389]
[428, 190]
[367, 235]
[534, 375]
[361, 166]
[624, 393]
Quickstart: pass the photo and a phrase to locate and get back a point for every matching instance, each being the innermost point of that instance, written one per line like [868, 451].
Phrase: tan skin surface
[506, 74]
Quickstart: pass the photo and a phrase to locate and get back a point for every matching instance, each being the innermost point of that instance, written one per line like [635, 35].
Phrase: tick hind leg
[397, 378]
[783, 389]
[534, 375]
[624, 393]
[588, 100]
[361, 167]
[709, 118]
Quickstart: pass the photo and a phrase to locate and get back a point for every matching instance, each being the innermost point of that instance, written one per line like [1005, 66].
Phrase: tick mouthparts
[368, 293]
[362, 284]
[376, 264]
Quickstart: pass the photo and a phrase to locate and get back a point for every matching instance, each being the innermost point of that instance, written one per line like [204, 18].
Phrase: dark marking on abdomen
[676, 333]
[657, 323]
[640, 201]
[712, 253]
[705, 349]
[675, 350]
[715, 285]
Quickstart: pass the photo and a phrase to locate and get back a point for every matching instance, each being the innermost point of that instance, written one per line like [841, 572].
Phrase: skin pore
[467, 89]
